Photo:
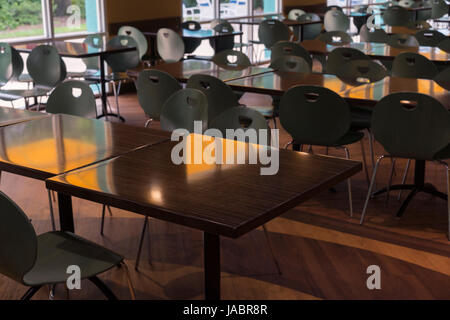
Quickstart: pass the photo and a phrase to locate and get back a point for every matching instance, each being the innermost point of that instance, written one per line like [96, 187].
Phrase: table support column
[65, 212]
[211, 244]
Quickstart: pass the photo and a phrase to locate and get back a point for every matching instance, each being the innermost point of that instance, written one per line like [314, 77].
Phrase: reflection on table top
[200, 34]
[10, 116]
[182, 70]
[378, 50]
[257, 20]
[277, 83]
[72, 49]
[48, 146]
[405, 30]
[223, 199]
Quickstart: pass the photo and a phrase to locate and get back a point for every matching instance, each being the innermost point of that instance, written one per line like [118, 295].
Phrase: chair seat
[15, 94]
[117, 76]
[266, 111]
[443, 154]
[349, 138]
[58, 250]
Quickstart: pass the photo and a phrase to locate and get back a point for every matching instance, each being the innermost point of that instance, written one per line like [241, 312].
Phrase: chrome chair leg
[369, 192]
[391, 175]
[129, 281]
[366, 170]
[288, 144]
[448, 196]
[148, 123]
[52, 217]
[349, 185]
[103, 219]
[141, 242]
[405, 175]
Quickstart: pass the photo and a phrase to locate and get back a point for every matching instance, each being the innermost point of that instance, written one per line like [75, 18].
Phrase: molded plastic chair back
[406, 3]
[183, 108]
[18, 241]
[396, 16]
[191, 25]
[336, 20]
[335, 37]
[272, 31]
[241, 118]
[153, 89]
[430, 38]
[314, 115]
[443, 78]
[219, 95]
[310, 31]
[96, 42]
[122, 61]
[295, 13]
[445, 45]
[223, 43]
[18, 64]
[413, 65]
[336, 8]
[223, 27]
[231, 59]
[215, 22]
[6, 66]
[72, 97]
[138, 36]
[170, 45]
[401, 40]
[411, 125]
[342, 56]
[359, 72]
[45, 66]
[288, 48]
[291, 64]
[375, 35]
[439, 8]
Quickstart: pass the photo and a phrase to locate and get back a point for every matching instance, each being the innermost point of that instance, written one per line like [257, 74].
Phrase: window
[198, 10]
[41, 19]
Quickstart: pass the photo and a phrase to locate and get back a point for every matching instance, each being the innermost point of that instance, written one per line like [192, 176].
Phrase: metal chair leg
[149, 122]
[448, 195]
[30, 293]
[369, 192]
[391, 175]
[129, 281]
[141, 242]
[103, 288]
[103, 219]
[50, 203]
[366, 170]
[349, 185]
[405, 175]
[288, 144]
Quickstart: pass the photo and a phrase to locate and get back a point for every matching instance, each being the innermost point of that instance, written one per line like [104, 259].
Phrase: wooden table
[182, 70]
[405, 30]
[56, 144]
[219, 200]
[83, 50]
[380, 51]
[277, 83]
[9, 116]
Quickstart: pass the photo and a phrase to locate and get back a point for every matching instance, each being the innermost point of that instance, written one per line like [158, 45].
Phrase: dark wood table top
[258, 19]
[227, 200]
[202, 34]
[49, 146]
[10, 116]
[378, 50]
[182, 70]
[277, 83]
[405, 30]
[73, 49]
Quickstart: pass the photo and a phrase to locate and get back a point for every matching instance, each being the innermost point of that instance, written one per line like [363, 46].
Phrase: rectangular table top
[221, 199]
[202, 34]
[378, 50]
[182, 70]
[49, 146]
[405, 30]
[277, 83]
[9, 116]
[257, 20]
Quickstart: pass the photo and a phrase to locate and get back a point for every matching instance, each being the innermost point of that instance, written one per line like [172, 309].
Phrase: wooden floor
[317, 260]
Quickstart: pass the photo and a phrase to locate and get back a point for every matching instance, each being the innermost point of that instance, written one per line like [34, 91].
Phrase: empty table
[219, 200]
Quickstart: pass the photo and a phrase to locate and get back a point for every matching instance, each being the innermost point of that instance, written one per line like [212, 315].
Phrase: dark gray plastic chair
[376, 35]
[341, 56]
[310, 31]
[439, 8]
[445, 45]
[443, 78]
[413, 65]
[35, 261]
[232, 60]
[191, 44]
[288, 48]
[396, 16]
[223, 43]
[335, 37]
[336, 20]
[170, 45]
[272, 31]
[338, 8]
[153, 89]
[401, 40]
[183, 108]
[361, 71]
[137, 36]
[219, 95]
[291, 64]
[241, 118]
[294, 14]
[412, 126]
[314, 115]
[430, 38]
[72, 97]
[6, 66]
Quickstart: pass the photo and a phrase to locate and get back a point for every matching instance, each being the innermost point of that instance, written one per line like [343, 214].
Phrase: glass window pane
[199, 10]
[233, 8]
[264, 6]
[20, 19]
[69, 16]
